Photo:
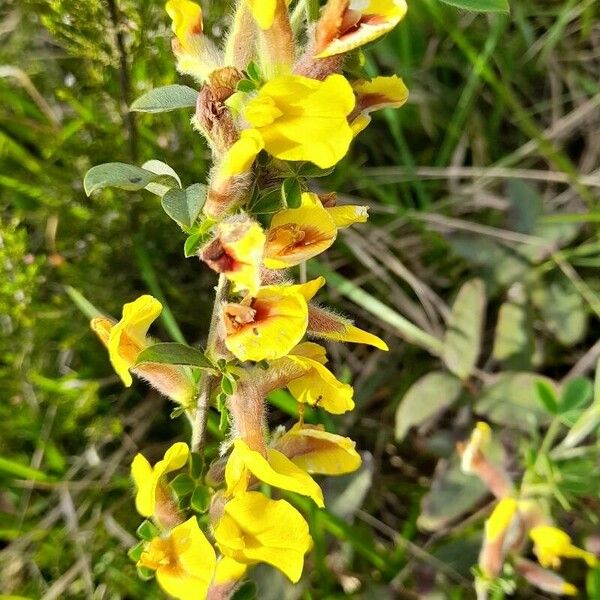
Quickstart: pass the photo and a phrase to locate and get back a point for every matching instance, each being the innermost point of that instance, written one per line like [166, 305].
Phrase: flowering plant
[278, 107]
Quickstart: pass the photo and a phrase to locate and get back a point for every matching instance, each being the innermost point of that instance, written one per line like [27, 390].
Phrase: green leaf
[135, 553]
[122, 176]
[513, 342]
[424, 399]
[452, 494]
[247, 591]
[246, 85]
[196, 465]
[147, 531]
[480, 5]
[291, 192]
[173, 353]
[564, 311]
[82, 303]
[163, 169]
[200, 501]
[165, 99]
[145, 574]
[547, 395]
[185, 206]
[513, 400]
[462, 343]
[182, 485]
[576, 393]
[267, 202]
[228, 385]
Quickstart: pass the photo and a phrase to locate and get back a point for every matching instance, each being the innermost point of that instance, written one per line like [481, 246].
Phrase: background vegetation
[491, 172]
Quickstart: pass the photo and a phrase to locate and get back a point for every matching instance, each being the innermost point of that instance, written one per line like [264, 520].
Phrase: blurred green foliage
[490, 172]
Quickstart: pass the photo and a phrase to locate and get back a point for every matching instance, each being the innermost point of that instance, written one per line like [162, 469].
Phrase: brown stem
[203, 401]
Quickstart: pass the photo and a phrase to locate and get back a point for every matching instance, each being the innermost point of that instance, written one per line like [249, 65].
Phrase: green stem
[203, 401]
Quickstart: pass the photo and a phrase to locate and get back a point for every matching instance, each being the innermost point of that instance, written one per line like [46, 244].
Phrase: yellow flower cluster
[514, 522]
[273, 111]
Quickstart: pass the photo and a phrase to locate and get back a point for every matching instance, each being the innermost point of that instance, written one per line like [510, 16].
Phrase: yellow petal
[229, 570]
[307, 290]
[195, 553]
[298, 234]
[380, 92]
[312, 351]
[147, 478]
[344, 216]
[500, 519]
[276, 470]
[145, 498]
[101, 326]
[304, 119]
[279, 323]
[330, 326]
[263, 12]
[186, 17]
[319, 387]
[319, 452]
[255, 528]
[551, 544]
[241, 156]
[128, 337]
[377, 17]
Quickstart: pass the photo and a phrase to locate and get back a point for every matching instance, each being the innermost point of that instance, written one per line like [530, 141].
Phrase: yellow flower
[297, 118]
[184, 561]
[550, 544]
[127, 338]
[255, 529]
[187, 21]
[345, 26]
[194, 52]
[147, 478]
[298, 234]
[237, 251]
[380, 92]
[276, 470]
[317, 451]
[271, 324]
[317, 385]
[323, 323]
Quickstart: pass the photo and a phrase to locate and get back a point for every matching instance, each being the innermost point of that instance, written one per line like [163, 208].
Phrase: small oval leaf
[462, 343]
[122, 176]
[184, 206]
[173, 353]
[165, 99]
[424, 399]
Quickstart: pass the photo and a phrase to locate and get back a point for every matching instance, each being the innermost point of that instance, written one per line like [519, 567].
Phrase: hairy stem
[203, 402]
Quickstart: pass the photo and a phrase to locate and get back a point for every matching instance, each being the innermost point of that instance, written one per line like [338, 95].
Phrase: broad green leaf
[183, 485]
[200, 500]
[173, 353]
[185, 206]
[164, 99]
[513, 342]
[122, 176]
[147, 530]
[424, 399]
[564, 312]
[291, 192]
[526, 206]
[547, 395]
[452, 494]
[480, 5]
[462, 343]
[513, 400]
[160, 168]
[575, 394]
